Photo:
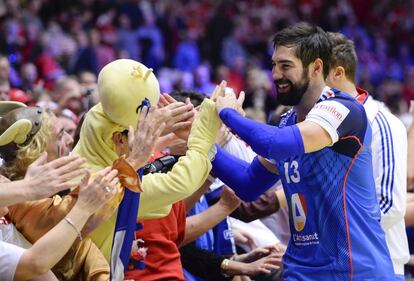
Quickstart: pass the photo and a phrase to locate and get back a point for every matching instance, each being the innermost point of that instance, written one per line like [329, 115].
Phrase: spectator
[187, 56]
[4, 68]
[127, 39]
[36, 261]
[85, 57]
[29, 77]
[202, 79]
[151, 43]
[67, 93]
[45, 32]
[4, 90]
[89, 89]
[20, 146]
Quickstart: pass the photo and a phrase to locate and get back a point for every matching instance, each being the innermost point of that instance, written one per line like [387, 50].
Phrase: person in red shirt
[158, 244]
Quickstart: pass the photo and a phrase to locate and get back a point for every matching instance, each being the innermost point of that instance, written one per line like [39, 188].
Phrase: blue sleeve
[247, 180]
[268, 141]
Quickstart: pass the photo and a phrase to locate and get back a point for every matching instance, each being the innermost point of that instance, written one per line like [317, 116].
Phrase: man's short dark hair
[309, 42]
[343, 54]
[195, 97]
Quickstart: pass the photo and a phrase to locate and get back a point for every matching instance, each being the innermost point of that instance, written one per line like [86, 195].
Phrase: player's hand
[229, 99]
[218, 91]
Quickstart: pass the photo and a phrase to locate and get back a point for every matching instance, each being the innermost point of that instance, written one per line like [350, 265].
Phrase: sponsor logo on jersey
[299, 211]
[306, 239]
[331, 111]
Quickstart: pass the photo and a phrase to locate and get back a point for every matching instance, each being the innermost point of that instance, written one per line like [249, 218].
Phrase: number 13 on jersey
[292, 172]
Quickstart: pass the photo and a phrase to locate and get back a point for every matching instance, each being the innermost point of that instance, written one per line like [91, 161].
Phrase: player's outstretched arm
[277, 143]
[248, 180]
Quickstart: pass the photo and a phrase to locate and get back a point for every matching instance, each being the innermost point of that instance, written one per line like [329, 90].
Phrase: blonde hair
[27, 154]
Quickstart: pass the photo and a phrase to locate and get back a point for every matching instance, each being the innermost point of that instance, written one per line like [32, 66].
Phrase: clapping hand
[47, 179]
[142, 139]
[96, 193]
[180, 115]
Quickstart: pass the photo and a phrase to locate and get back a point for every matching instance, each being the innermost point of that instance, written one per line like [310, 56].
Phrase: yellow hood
[95, 142]
[123, 85]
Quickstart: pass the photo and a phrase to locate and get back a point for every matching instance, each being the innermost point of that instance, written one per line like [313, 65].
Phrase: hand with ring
[96, 193]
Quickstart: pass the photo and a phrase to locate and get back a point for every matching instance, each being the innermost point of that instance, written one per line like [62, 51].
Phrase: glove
[204, 129]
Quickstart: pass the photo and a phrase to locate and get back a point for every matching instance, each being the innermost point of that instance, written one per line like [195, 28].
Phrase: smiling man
[321, 153]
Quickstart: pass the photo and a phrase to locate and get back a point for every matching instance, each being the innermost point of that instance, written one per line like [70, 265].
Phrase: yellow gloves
[204, 128]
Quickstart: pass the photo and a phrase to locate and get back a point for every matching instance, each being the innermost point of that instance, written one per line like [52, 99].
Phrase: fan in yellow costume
[123, 85]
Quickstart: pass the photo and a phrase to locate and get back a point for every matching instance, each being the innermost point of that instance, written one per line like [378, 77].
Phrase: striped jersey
[389, 160]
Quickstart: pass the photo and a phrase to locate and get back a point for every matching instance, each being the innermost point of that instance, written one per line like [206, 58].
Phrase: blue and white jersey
[333, 210]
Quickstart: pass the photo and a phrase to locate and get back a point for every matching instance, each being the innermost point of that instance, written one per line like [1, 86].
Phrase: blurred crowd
[53, 50]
